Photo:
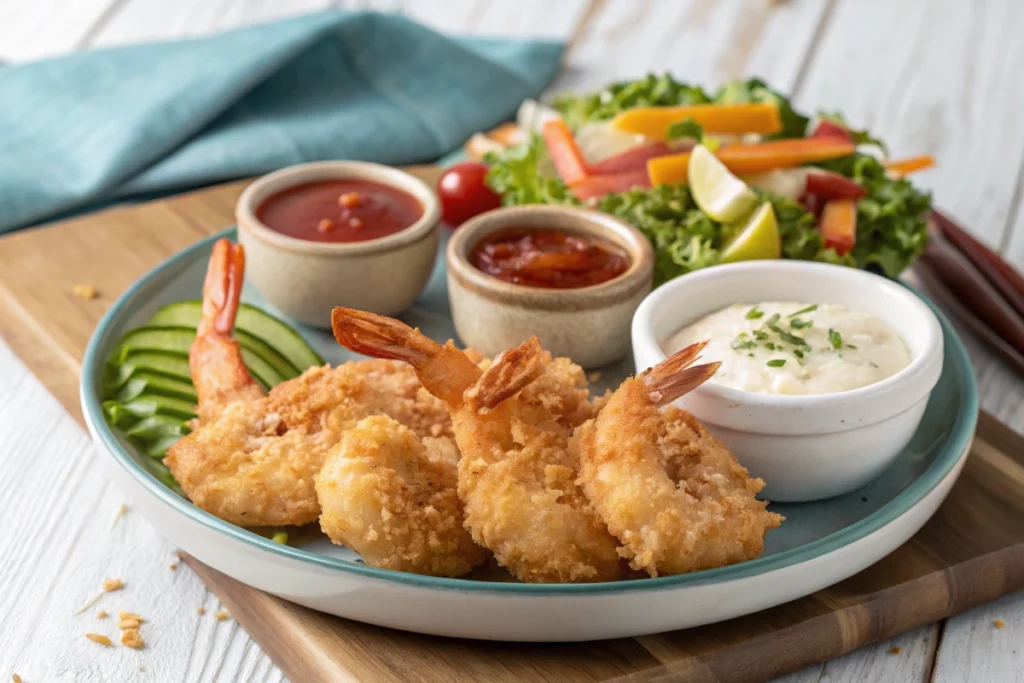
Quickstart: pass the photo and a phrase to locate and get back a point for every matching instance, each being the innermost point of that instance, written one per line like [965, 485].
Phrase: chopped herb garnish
[799, 323]
[792, 339]
[808, 309]
[874, 365]
[772, 320]
[754, 313]
[775, 328]
[743, 343]
[850, 346]
[777, 363]
[770, 346]
[798, 353]
[750, 355]
[835, 338]
[759, 335]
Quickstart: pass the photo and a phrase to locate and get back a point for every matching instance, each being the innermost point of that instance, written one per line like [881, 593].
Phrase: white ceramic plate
[818, 545]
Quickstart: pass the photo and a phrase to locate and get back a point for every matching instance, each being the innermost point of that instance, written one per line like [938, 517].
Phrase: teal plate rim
[960, 435]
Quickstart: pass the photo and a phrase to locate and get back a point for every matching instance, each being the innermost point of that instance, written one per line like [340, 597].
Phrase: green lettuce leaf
[523, 174]
[892, 227]
[685, 129]
[794, 125]
[652, 91]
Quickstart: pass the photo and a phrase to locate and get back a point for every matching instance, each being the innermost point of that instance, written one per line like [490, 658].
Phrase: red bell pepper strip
[563, 151]
[830, 129]
[833, 185]
[600, 185]
[839, 224]
[634, 159]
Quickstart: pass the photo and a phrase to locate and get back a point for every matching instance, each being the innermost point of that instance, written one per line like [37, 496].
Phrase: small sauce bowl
[805, 447]
[590, 325]
[306, 279]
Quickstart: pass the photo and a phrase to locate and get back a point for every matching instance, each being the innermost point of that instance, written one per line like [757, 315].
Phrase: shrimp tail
[508, 374]
[381, 337]
[673, 377]
[443, 370]
[215, 359]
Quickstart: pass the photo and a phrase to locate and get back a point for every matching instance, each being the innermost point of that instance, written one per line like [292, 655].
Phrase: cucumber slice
[159, 448]
[267, 353]
[148, 405]
[165, 364]
[157, 427]
[143, 380]
[163, 475]
[255, 321]
[176, 341]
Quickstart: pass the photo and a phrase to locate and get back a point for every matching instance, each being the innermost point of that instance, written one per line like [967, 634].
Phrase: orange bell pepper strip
[564, 153]
[839, 224]
[731, 119]
[751, 159]
[903, 167]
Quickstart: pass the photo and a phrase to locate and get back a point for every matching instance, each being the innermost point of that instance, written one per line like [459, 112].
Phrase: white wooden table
[941, 77]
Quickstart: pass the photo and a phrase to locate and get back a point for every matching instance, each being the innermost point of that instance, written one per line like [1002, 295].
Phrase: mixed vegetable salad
[717, 177]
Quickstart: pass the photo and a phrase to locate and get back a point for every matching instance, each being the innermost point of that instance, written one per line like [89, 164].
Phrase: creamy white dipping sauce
[793, 348]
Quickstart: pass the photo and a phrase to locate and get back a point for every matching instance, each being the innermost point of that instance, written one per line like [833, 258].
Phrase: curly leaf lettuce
[892, 227]
[652, 91]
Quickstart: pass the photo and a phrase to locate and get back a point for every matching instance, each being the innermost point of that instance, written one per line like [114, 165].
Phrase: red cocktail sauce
[339, 211]
[540, 257]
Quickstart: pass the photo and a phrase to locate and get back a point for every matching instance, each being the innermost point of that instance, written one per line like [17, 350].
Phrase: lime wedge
[718, 192]
[757, 239]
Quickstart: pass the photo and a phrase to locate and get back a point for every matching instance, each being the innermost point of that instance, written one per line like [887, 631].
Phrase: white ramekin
[306, 280]
[804, 447]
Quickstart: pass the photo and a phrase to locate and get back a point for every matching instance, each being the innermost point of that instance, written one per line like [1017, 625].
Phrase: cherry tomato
[464, 193]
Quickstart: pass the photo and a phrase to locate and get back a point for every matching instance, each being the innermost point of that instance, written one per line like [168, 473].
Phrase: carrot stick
[903, 167]
[732, 119]
[839, 224]
[750, 159]
[564, 153]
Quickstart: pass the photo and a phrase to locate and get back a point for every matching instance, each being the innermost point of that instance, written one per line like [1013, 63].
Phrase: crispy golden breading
[517, 477]
[674, 495]
[253, 463]
[391, 497]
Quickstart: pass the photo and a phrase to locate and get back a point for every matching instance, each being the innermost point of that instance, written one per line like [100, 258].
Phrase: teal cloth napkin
[90, 128]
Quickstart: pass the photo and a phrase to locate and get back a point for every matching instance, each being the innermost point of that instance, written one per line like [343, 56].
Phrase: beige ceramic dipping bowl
[307, 279]
[590, 325]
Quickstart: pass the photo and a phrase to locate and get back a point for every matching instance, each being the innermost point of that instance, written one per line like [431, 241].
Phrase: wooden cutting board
[971, 552]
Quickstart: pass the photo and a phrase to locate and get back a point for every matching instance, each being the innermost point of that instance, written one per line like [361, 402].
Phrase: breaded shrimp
[674, 495]
[392, 498]
[517, 476]
[252, 457]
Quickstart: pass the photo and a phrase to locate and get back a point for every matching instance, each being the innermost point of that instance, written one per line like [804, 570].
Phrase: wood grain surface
[932, 76]
[971, 552]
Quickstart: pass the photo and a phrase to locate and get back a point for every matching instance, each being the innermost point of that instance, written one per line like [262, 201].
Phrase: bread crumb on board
[102, 614]
[131, 638]
[99, 638]
[111, 585]
[999, 623]
[173, 566]
[895, 650]
[222, 615]
[86, 292]
[16, 678]
[201, 610]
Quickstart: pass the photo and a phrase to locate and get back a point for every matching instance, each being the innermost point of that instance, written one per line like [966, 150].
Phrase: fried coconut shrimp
[392, 498]
[674, 495]
[517, 476]
[251, 458]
